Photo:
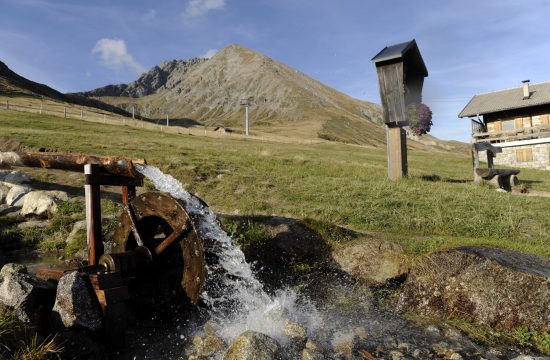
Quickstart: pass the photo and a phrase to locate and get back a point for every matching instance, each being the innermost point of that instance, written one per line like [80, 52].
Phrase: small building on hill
[516, 120]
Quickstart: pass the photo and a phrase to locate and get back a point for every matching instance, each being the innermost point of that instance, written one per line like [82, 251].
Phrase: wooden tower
[401, 72]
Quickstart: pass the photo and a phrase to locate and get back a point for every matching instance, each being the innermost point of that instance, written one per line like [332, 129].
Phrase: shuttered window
[524, 155]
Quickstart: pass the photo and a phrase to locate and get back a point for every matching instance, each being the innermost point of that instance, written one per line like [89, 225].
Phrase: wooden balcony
[535, 132]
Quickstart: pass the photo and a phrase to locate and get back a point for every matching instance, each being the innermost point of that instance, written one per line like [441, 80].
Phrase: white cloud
[114, 55]
[197, 8]
[209, 53]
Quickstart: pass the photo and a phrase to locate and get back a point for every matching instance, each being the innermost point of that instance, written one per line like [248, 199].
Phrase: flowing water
[334, 311]
[234, 296]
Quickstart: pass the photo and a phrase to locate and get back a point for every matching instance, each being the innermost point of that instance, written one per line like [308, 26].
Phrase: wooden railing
[538, 131]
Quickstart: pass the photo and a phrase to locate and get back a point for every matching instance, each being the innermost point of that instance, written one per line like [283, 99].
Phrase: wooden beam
[93, 217]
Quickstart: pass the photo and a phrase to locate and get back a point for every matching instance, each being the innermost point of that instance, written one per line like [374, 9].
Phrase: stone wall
[541, 156]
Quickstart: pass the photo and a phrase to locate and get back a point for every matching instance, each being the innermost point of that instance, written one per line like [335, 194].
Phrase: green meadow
[326, 184]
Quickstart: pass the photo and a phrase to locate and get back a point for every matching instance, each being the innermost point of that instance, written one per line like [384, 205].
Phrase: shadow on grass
[437, 178]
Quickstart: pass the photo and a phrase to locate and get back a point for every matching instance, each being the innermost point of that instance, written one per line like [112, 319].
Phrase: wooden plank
[113, 295]
[106, 281]
[490, 173]
[114, 180]
[50, 274]
[390, 81]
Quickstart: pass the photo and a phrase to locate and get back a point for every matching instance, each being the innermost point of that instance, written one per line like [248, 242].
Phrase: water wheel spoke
[171, 238]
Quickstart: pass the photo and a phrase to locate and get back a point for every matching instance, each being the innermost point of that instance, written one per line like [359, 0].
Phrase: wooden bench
[502, 178]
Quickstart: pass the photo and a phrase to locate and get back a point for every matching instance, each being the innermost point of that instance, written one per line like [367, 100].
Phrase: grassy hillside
[437, 206]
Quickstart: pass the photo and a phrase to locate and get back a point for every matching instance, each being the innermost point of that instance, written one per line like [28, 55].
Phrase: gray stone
[33, 224]
[13, 268]
[252, 345]
[433, 330]
[16, 194]
[3, 193]
[16, 178]
[24, 293]
[501, 288]
[4, 173]
[9, 211]
[42, 203]
[75, 304]
[373, 262]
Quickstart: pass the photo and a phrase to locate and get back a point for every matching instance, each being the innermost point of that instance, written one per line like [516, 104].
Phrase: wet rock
[297, 335]
[16, 178]
[27, 295]
[396, 355]
[500, 288]
[373, 262]
[42, 203]
[361, 332]
[308, 354]
[75, 304]
[312, 351]
[208, 346]
[13, 268]
[16, 195]
[212, 328]
[252, 345]
[343, 344]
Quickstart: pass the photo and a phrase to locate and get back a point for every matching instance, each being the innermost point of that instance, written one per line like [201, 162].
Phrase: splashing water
[235, 298]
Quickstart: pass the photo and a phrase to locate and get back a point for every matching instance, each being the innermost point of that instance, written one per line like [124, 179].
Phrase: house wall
[516, 155]
[522, 118]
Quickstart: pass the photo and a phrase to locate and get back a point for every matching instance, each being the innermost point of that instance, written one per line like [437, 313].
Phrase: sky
[469, 47]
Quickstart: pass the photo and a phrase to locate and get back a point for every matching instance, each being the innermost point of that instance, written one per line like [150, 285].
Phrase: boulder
[4, 190]
[373, 262]
[13, 268]
[16, 194]
[42, 203]
[208, 346]
[75, 304]
[252, 345]
[293, 239]
[16, 178]
[504, 289]
[9, 211]
[3, 174]
[27, 295]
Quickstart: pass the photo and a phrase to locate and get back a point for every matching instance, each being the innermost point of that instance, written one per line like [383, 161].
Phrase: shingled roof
[507, 100]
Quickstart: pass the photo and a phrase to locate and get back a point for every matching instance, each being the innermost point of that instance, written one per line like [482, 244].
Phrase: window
[524, 155]
[508, 125]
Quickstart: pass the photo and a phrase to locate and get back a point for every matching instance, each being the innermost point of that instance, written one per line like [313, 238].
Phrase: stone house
[517, 120]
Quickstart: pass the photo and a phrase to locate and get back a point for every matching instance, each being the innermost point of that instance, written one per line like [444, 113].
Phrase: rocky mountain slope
[167, 75]
[286, 101]
[12, 84]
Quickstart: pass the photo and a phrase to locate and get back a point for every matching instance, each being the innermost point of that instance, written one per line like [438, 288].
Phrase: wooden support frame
[93, 216]
[397, 152]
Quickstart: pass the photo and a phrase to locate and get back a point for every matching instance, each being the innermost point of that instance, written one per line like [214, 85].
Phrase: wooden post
[475, 163]
[104, 119]
[128, 194]
[41, 107]
[397, 152]
[133, 110]
[7, 104]
[65, 111]
[93, 215]
[81, 114]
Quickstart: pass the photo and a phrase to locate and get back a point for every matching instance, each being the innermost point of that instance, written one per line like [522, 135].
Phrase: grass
[436, 207]
[20, 342]
[52, 239]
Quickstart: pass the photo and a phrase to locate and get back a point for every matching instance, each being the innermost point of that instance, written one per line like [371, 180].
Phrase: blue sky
[468, 46]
